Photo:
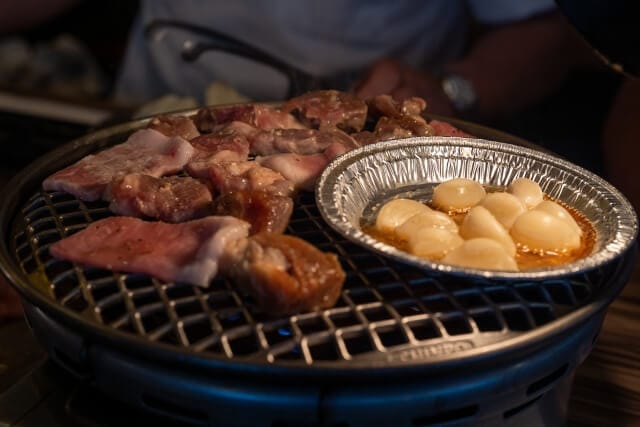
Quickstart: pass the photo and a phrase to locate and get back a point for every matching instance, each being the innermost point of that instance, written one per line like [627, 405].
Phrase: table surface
[606, 389]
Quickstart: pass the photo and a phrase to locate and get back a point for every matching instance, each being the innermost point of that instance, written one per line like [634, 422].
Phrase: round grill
[384, 306]
[146, 341]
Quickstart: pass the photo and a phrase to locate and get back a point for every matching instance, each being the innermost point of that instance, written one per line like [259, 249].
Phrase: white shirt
[320, 37]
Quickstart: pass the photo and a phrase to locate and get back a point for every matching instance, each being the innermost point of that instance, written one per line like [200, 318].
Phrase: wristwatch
[460, 92]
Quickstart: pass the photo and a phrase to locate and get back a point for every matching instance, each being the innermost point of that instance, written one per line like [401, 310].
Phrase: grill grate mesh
[384, 307]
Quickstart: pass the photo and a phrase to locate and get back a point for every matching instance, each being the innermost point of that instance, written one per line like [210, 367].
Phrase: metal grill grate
[385, 307]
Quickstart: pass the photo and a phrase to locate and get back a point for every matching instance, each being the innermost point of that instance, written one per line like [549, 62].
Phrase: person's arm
[510, 66]
[25, 14]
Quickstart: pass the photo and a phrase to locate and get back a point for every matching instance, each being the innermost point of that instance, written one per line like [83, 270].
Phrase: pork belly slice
[302, 170]
[266, 212]
[171, 199]
[174, 125]
[229, 144]
[188, 252]
[298, 141]
[227, 177]
[284, 274]
[328, 109]
[441, 128]
[260, 116]
[146, 151]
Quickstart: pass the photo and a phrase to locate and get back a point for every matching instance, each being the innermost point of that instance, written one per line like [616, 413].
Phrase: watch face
[459, 91]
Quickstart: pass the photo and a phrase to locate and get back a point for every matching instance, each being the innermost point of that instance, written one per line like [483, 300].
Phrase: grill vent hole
[324, 351]
[513, 411]
[501, 296]
[471, 300]
[487, 321]
[532, 293]
[456, 325]
[546, 381]
[151, 321]
[516, 319]
[244, 345]
[438, 305]
[362, 296]
[76, 303]
[561, 293]
[358, 344]
[344, 319]
[424, 330]
[445, 416]
[391, 336]
[541, 314]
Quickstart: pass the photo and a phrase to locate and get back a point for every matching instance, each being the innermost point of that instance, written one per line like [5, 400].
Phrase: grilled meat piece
[284, 274]
[298, 141]
[329, 109]
[228, 144]
[172, 199]
[256, 194]
[265, 212]
[227, 177]
[146, 151]
[187, 252]
[402, 127]
[174, 125]
[260, 116]
[386, 105]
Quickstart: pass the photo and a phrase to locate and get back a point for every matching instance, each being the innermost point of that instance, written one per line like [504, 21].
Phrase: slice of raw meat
[187, 252]
[146, 151]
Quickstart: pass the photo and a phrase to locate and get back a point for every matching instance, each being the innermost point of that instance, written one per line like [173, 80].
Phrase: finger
[382, 78]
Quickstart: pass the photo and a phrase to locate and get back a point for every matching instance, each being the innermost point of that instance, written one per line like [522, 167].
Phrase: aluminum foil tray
[353, 188]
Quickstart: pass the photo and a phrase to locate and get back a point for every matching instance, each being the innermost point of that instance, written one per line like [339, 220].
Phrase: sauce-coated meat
[284, 274]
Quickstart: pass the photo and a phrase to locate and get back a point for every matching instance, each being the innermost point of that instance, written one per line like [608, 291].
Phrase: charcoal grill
[402, 347]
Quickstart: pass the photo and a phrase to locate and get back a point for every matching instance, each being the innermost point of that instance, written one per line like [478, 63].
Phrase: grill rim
[31, 177]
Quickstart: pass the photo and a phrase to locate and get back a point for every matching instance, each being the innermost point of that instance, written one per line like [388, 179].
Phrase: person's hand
[10, 306]
[395, 78]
